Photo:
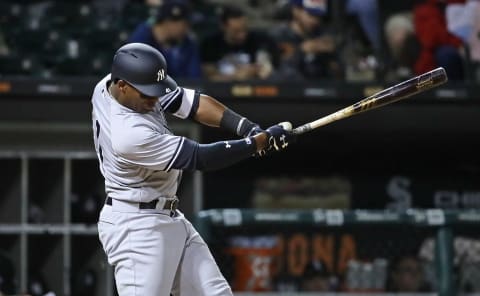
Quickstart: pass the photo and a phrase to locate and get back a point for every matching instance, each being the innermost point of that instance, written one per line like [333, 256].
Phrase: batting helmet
[143, 67]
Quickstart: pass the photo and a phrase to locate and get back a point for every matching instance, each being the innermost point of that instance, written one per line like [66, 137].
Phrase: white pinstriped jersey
[135, 150]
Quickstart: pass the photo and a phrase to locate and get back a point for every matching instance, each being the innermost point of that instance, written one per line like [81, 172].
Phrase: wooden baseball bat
[387, 96]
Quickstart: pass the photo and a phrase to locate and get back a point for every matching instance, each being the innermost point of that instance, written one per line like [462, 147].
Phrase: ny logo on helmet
[160, 75]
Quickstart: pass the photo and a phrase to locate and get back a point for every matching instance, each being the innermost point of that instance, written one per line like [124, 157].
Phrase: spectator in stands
[475, 39]
[235, 52]
[460, 16]
[368, 17]
[406, 275]
[308, 48]
[153, 3]
[316, 277]
[403, 46]
[475, 45]
[463, 20]
[169, 32]
[260, 13]
[438, 46]
[360, 40]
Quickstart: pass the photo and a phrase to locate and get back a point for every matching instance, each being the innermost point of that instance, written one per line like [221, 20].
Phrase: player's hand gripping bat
[387, 96]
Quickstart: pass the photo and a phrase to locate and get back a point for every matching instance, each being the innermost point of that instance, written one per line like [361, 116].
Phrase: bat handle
[321, 122]
[302, 129]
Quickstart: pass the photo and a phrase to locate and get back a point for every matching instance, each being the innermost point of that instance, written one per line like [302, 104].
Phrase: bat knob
[286, 125]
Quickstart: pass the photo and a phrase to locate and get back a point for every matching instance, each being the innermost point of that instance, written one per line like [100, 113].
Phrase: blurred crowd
[264, 263]
[278, 40]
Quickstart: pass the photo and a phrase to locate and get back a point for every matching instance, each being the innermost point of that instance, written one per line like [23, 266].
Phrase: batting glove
[255, 131]
[280, 136]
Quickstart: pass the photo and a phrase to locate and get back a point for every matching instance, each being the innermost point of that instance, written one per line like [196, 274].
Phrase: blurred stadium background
[386, 202]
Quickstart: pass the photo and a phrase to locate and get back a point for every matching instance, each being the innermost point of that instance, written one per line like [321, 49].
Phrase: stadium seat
[31, 41]
[86, 65]
[66, 11]
[16, 65]
[11, 13]
[103, 40]
[135, 13]
[69, 66]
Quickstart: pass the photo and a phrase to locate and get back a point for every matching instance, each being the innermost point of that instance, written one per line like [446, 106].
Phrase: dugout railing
[393, 229]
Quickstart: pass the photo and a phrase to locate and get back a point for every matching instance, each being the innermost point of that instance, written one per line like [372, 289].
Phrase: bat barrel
[403, 90]
[392, 94]
[417, 84]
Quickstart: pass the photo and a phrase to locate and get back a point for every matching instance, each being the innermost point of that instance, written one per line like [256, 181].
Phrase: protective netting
[362, 258]
[466, 258]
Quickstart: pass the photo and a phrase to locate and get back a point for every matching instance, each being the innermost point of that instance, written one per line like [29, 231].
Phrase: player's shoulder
[130, 132]
[101, 85]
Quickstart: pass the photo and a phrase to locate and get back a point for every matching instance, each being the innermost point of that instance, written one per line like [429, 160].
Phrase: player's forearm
[195, 156]
[224, 154]
[213, 113]
[210, 111]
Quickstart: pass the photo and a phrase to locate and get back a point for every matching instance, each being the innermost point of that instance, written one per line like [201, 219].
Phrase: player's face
[236, 30]
[137, 101]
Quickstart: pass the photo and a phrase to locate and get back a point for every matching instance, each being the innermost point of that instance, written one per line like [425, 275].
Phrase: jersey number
[99, 147]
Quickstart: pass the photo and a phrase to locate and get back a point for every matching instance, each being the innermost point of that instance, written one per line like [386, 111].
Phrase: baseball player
[154, 249]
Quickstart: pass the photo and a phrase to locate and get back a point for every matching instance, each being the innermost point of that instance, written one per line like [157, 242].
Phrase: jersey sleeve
[182, 102]
[148, 148]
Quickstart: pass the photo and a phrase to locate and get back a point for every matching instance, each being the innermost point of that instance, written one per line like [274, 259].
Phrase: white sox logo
[160, 75]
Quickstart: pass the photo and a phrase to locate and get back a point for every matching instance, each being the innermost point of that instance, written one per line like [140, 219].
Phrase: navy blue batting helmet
[143, 67]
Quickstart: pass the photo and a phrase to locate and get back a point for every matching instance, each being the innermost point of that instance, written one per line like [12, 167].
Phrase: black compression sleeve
[195, 156]
[236, 123]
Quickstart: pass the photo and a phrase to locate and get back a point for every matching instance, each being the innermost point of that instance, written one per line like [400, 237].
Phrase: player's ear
[122, 85]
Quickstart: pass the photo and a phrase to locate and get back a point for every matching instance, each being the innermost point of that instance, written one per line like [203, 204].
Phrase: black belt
[170, 204]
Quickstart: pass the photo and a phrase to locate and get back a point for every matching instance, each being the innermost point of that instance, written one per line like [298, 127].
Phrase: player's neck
[114, 92]
[117, 95]
[109, 89]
